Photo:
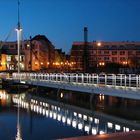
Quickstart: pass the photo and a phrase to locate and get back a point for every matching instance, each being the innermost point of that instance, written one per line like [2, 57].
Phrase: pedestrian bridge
[120, 85]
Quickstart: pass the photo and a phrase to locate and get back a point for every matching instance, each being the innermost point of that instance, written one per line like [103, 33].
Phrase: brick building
[100, 54]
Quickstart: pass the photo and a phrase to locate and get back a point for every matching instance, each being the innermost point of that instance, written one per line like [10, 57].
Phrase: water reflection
[18, 136]
[84, 120]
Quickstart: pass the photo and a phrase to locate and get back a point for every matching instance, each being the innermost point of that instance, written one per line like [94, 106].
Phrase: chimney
[85, 34]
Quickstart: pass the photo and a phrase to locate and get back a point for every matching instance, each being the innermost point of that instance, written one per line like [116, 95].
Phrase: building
[100, 54]
[36, 54]
[9, 58]
[61, 62]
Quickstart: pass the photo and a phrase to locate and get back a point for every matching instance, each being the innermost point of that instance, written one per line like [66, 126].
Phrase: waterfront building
[36, 54]
[61, 62]
[100, 54]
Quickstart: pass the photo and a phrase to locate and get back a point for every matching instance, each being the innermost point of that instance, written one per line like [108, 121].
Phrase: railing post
[60, 77]
[56, 77]
[105, 79]
[89, 78]
[82, 76]
[76, 78]
[86, 78]
[129, 80]
[114, 79]
[92, 78]
[97, 79]
[125, 81]
[121, 80]
[137, 81]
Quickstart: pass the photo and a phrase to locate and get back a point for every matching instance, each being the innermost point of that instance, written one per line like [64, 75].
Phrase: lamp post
[97, 46]
[30, 62]
[19, 30]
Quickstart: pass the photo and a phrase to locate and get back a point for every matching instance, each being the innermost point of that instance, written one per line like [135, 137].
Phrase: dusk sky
[62, 21]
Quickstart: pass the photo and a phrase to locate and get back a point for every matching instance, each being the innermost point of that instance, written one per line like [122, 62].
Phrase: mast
[19, 30]
[18, 136]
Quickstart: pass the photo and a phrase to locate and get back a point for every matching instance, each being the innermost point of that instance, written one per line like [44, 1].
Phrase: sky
[62, 21]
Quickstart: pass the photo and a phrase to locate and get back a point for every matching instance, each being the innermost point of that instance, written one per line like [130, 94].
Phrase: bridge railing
[130, 80]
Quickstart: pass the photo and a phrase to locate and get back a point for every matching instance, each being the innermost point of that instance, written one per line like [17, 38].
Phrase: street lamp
[97, 46]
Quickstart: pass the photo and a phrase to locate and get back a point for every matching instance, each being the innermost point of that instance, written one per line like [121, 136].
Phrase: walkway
[127, 86]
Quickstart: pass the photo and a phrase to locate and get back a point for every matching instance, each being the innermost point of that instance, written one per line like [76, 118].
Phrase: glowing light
[110, 125]
[101, 132]
[102, 63]
[99, 44]
[61, 95]
[127, 129]
[87, 128]
[63, 119]
[94, 131]
[43, 111]
[85, 117]
[74, 123]
[50, 114]
[28, 45]
[54, 115]
[80, 126]
[80, 115]
[96, 121]
[75, 114]
[59, 117]
[117, 127]
[68, 121]
[90, 119]
[47, 113]
[124, 62]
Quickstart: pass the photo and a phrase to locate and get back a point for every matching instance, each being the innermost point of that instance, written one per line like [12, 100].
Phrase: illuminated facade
[125, 53]
[35, 54]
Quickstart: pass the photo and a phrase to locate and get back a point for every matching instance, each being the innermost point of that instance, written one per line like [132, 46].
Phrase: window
[106, 52]
[114, 59]
[106, 58]
[22, 58]
[12, 47]
[114, 52]
[122, 52]
[130, 52]
[8, 58]
[122, 59]
[99, 52]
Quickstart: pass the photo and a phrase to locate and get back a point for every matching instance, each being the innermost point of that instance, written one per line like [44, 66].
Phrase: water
[44, 113]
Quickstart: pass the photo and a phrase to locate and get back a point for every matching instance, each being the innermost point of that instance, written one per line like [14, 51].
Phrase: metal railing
[130, 80]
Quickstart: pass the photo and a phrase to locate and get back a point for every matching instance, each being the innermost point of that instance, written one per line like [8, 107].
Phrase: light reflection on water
[79, 121]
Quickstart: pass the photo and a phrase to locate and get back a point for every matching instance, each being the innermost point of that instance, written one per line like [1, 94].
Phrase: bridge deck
[126, 86]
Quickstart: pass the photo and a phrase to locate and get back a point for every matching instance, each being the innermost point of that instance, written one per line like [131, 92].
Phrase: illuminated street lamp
[97, 46]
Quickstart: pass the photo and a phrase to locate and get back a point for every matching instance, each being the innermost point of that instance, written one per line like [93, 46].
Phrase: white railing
[130, 80]
[4, 75]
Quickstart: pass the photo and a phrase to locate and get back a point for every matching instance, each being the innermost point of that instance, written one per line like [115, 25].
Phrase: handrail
[122, 80]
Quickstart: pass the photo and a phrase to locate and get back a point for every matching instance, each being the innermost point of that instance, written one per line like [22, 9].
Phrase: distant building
[100, 54]
[61, 60]
[35, 54]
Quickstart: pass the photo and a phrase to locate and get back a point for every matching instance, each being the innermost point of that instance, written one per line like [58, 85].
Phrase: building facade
[35, 55]
[100, 54]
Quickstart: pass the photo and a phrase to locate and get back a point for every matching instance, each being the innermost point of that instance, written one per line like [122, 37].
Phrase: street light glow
[99, 44]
